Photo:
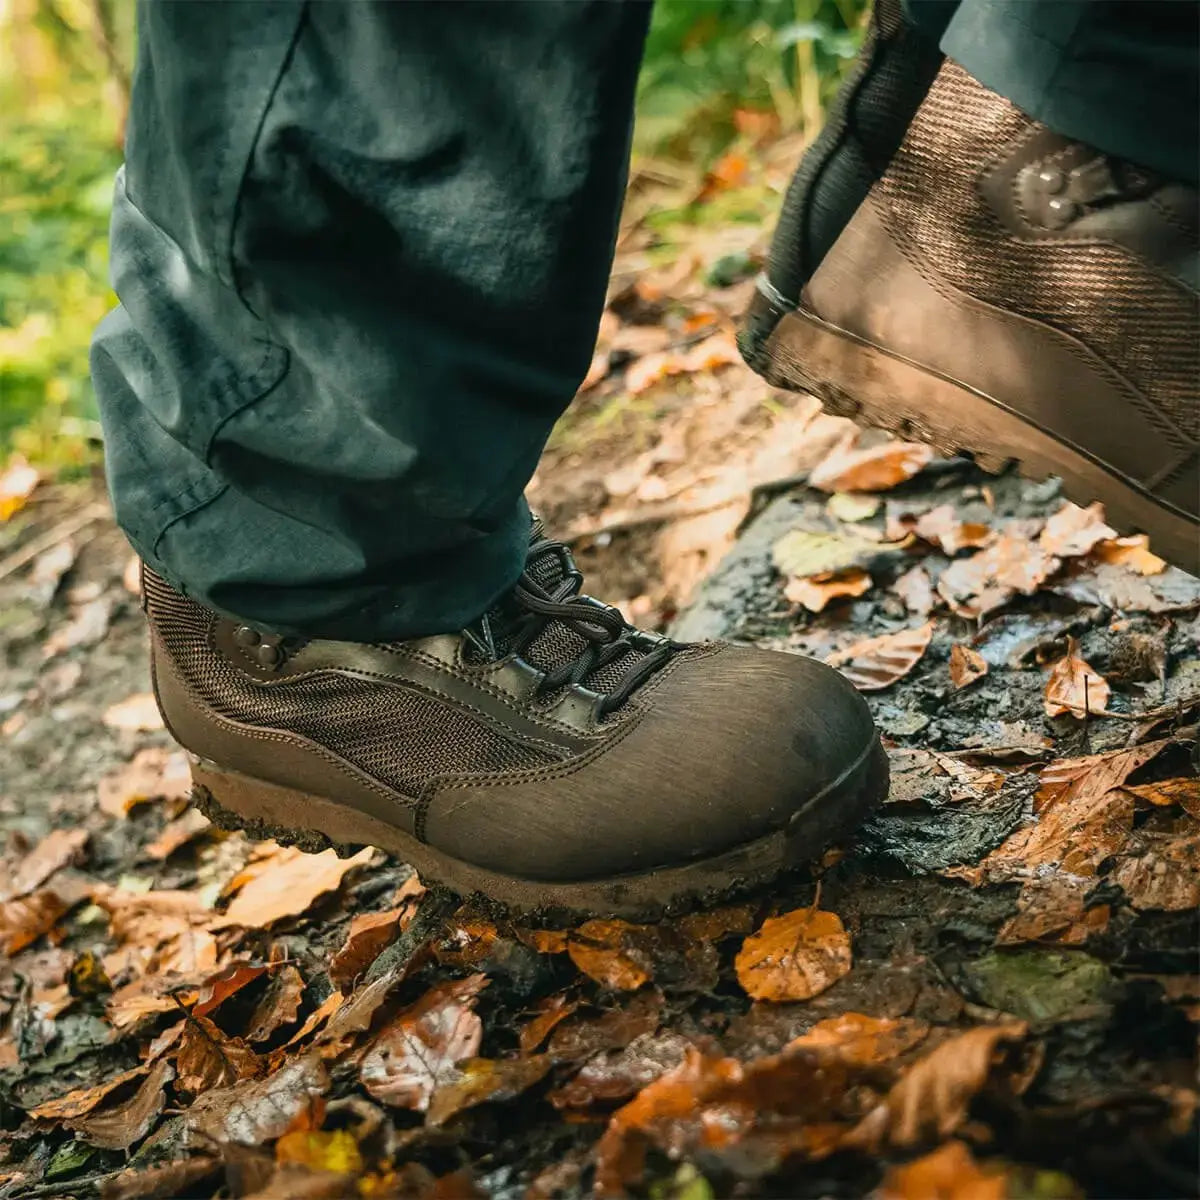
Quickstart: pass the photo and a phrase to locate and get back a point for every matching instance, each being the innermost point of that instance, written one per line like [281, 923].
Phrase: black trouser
[361, 251]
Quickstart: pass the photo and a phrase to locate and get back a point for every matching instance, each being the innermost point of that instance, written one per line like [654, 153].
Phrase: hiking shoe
[864, 127]
[550, 757]
[1018, 296]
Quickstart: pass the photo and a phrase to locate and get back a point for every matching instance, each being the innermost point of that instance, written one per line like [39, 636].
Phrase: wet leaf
[17, 481]
[259, 1110]
[137, 714]
[55, 851]
[1162, 871]
[420, 1050]
[580, 1037]
[862, 1039]
[544, 941]
[481, 1080]
[207, 1058]
[1012, 564]
[947, 1173]
[966, 665]
[549, 1012]
[870, 469]
[915, 588]
[152, 774]
[878, 662]
[815, 592]
[794, 957]
[369, 935]
[1053, 910]
[1166, 792]
[1074, 687]
[618, 1074]
[335, 1151]
[1073, 531]
[1093, 775]
[803, 553]
[1039, 984]
[932, 1098]
[609, 952]
[118, 1128]
[289, 886]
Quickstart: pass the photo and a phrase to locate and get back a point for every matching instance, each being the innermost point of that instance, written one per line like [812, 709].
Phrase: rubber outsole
[314, 823]
[854, 378]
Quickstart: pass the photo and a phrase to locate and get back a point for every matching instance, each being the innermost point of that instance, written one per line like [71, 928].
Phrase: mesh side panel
[400, 737]
[1143, 325]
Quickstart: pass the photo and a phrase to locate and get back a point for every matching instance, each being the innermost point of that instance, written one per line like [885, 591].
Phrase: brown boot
[1011, 294]
[551, 757]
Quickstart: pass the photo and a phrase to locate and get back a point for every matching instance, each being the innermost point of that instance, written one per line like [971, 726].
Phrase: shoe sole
[314, 823]
[855, 378]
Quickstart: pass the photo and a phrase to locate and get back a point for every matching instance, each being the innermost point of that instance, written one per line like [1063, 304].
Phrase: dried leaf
[608, 952]
[947, 1173]
[81, 1101]
[289, 886]
[862, 1039]
[421, 1049]
[1012, 564]
[278, 1006]
[219, 987]
[138, 714]
[120, 1127]
[966, 665]
[804, 553]
[26, 918]
[1166, 792]
[484, 1079]
[1132, 553]
[1163, 871]
[852, 507]
[1073, 531]
[873, 469]
[335, 1151]
[1074, 687]
[915, 588]
[259, 1110]
[878, 662]
[17, 481]
[48, 569]
[88, 624]
[1090, 777]
[152, 774]
[794, 957]
[53, 852]
[815, 592]
[177, 834]
[167, 1180]
[207, 1058]
[941, 526]
[549, 1012]
[544, 941]
[369, 935]
[715, 351]
[931, 1100]
[131, 577]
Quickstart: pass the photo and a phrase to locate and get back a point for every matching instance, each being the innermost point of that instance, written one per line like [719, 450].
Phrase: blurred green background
[716, 73]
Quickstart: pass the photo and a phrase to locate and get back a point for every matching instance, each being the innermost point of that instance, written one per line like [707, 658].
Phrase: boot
[550, 757]
[1014, 295]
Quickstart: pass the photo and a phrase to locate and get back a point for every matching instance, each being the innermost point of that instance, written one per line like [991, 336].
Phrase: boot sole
[314, 823]
[855, 378]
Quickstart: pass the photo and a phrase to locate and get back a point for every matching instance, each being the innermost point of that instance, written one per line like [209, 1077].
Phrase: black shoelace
[533, 605]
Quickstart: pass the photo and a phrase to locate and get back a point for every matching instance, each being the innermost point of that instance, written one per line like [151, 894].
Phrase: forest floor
[991, 991]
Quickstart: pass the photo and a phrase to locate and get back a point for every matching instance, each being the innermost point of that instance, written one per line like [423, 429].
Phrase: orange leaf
[878, 662]
[1133, 553]
[794, 957]
[1184, 792]
[54, 851]
[1074, 687]
[368, 936]
[861, 1039]
[966, 665]
[815, 592]
[947, 1173]
[17, 482]
[874, 469]
[153, 773]
[607, 952]
[1073, 531]
[1011, 564]
[915, 588]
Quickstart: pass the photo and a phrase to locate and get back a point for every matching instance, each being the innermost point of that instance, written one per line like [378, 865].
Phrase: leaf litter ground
[991, 992]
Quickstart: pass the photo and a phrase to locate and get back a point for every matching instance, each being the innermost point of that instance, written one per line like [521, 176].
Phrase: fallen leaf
[177, 834]
[947, 1173]
[17, 482]
[549, 1012]
[153, 773]
[1074, 687]
[1132, 553]
[335, 1151]
[803, 553]
[88, 624]
[1161, 871]
[1091, 581]
[878, 662]
[1012, 564]
[932, 1098]
[217, 988]
[81, 1101]
[47, 571]
[207, 1058]
[852, 507]
[55, 851]
[289, 886]
[259, 1110]
[1073, 531]
[608, 952]
[915, 588]
[279, 1005]
[369, 935]
[966, 665]
[137, 714]
[480, 1080]
[317, 1017]
[942, 527]
[873, 469]
[1053, 911]
[862, 1039]
[118, 1128]
[169, 1179]
[794, 957]
[580, 1037]
[618, 1074]
[1093, 775]
[544, 941]
[25, 919]
[420, 1050]
[715, 351]
[1166, 792]
[816, 591]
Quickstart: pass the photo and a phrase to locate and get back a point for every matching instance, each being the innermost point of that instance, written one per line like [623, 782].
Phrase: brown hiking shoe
[1009, 293]
[550, 757]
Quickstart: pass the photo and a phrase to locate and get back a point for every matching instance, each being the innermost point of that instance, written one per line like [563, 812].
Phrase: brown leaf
[25, 919]
[152, 774]
[259, 1110]
[369, 935]
[55, 851]
[581, 1037]
[118, 1128]
[1163, 872]
[878, 662]
[1053, 911]
[315, 1019]
[966, 665]
[138, 714]
[231, 978]
[81, 1101]
[207, 1058]
[942, 527]
[715, 351]
[484, 1079]
[544, 941]
[160, 1182]
[618, 1074]
[1166, 792]
[807, 553]
[1093, 775]
[279, 1005]
[608, 952]
[549, 1012]
[947, 1173]
[873, 469]
[862, 1039]
[1074, 687]
[1132, 553]
[1012, 564]
[1073, 531]
[289, 886]
[421, 1049]
[177, 834]
[931, 1100]
[816, 591]
[915, 588]
[794, 957]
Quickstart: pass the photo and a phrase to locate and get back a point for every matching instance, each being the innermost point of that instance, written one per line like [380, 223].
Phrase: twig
[59, 533]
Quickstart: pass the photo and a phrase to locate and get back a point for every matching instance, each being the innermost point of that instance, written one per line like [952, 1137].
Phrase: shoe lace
[585, 637]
